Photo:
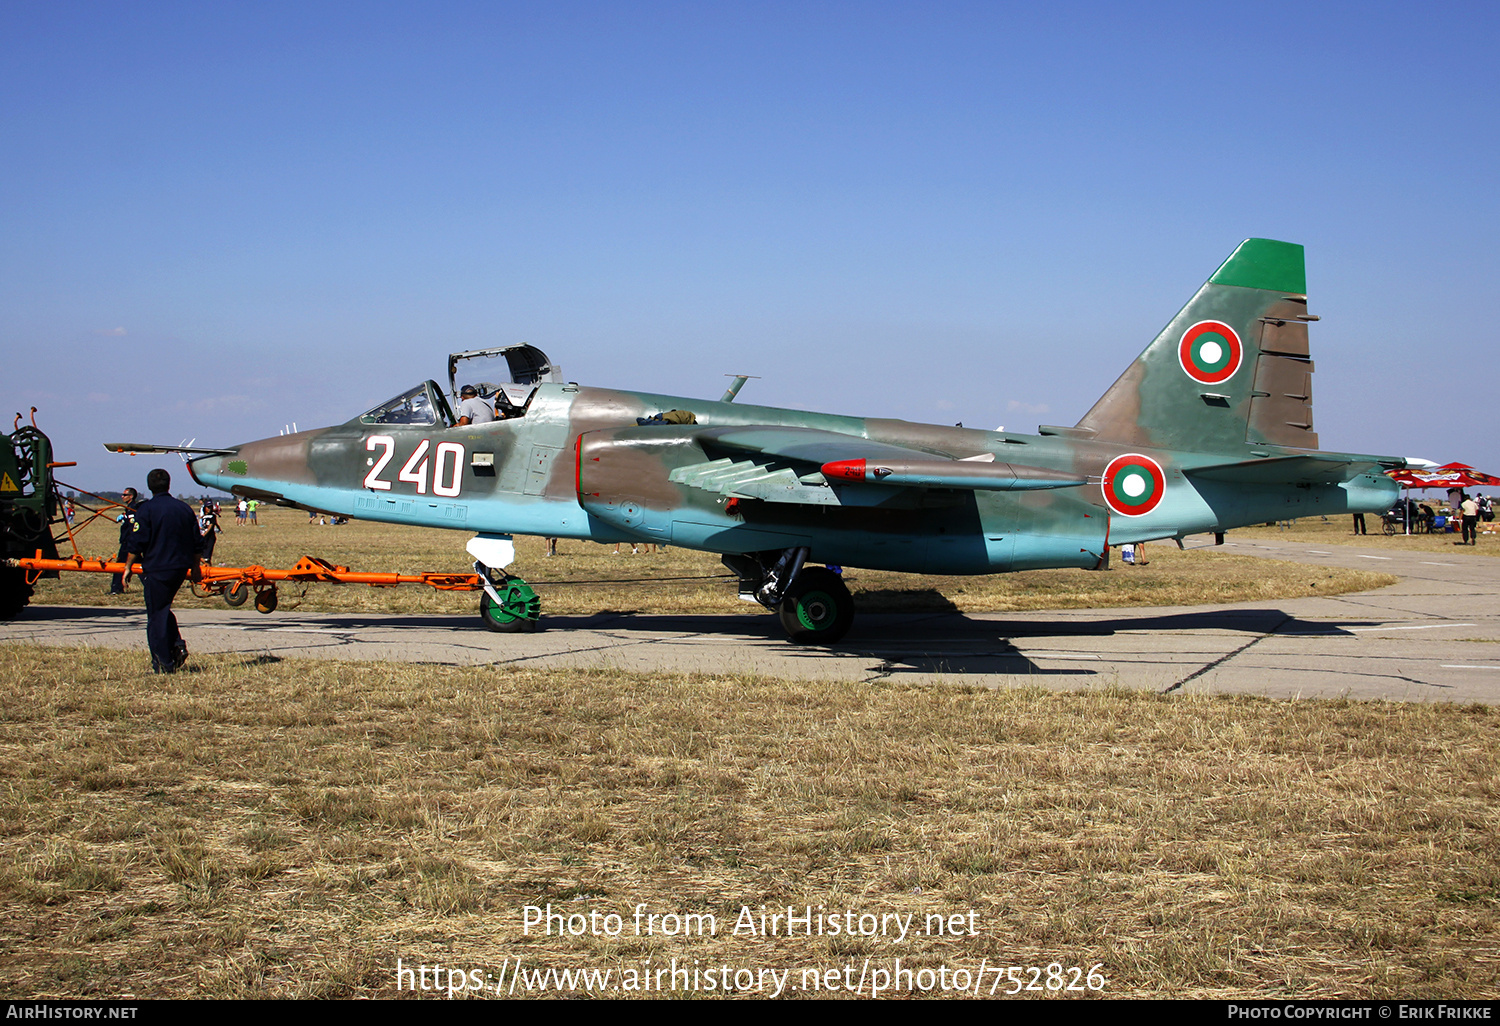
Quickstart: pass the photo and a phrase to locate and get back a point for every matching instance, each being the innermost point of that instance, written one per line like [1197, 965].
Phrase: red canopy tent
[1470, 477]
[1449, 475]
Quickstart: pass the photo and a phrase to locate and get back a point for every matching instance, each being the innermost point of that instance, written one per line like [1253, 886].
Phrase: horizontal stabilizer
[1322, 468]
[141, 448]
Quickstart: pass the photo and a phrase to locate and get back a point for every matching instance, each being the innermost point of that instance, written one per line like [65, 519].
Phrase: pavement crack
[1227, 656]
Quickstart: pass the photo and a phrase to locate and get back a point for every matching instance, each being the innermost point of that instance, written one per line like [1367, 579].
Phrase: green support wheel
[519, 608]
[817, 609]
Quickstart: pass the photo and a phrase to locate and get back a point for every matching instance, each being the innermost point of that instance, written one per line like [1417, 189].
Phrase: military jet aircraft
[1209, 429]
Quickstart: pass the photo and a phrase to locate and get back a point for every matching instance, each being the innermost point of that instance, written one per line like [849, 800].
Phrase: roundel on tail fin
[1210, 352]
[1133, 484]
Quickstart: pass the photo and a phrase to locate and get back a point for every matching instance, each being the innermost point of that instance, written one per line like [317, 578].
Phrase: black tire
[265, 600]
[237, 594]
[817, 609]
[15, 593]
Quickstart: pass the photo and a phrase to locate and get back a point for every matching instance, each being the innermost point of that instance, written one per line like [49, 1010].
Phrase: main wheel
[238, 592]
[817, 609]
[519, 608]
[265, 600]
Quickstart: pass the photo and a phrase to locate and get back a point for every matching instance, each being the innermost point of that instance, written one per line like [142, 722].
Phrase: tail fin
[1230, 371]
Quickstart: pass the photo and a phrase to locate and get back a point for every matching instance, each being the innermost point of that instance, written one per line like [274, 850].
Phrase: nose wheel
[508, 604]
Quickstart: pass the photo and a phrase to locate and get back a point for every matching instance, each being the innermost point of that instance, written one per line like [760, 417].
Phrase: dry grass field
[258, 828]
[588, 578]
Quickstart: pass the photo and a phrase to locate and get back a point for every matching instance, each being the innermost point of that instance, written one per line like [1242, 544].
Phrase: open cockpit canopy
[526, 367]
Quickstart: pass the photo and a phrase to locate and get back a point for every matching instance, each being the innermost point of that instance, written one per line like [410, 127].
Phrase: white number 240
[446, 474]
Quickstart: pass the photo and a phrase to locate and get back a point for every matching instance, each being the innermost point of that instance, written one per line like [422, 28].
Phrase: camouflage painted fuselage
[579, 466]
[1209, 429]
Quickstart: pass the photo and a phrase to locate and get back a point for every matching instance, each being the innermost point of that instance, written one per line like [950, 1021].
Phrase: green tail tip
[1265, 264]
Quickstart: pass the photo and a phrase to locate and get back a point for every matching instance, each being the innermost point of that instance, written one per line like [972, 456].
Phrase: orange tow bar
[236, 583]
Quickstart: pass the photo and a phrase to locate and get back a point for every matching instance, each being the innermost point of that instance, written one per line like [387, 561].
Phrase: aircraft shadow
[881, 629]
[933, 643]
[870, 629]
[962, 645]
[45, 613]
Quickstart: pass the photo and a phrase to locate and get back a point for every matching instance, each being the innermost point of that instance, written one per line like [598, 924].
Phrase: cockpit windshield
[421, 406]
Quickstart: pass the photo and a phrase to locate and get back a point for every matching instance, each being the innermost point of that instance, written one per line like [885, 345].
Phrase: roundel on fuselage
[1210, 352]
[1133, 484]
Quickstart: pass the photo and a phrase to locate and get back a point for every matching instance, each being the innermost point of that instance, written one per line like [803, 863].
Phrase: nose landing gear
[507, 604]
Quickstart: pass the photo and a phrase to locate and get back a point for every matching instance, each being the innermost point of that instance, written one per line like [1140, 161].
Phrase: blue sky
[220, 219]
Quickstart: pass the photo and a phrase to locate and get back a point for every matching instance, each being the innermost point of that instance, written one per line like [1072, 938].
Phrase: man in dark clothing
[167, 541]
[127, 526]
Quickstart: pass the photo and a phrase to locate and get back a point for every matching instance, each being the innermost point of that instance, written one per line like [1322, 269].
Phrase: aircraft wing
[804, 445]
[824, 464]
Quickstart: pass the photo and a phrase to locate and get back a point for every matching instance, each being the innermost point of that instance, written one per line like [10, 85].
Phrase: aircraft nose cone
[211, 471]
[283, 459]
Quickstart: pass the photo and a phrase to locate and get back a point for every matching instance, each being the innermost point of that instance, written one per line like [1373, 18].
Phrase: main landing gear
[813, 602]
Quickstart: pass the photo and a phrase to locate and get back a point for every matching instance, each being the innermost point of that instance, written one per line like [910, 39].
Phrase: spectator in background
[126, 521]
[1469, 510]
[208, 528]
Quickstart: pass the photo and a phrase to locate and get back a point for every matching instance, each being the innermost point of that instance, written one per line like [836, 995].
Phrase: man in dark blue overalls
[167, 541]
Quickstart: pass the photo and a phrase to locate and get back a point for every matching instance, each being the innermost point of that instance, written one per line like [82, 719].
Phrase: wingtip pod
[1265, 264]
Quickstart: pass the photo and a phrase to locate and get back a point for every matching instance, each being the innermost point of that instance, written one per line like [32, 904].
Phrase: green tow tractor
[28, 508]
